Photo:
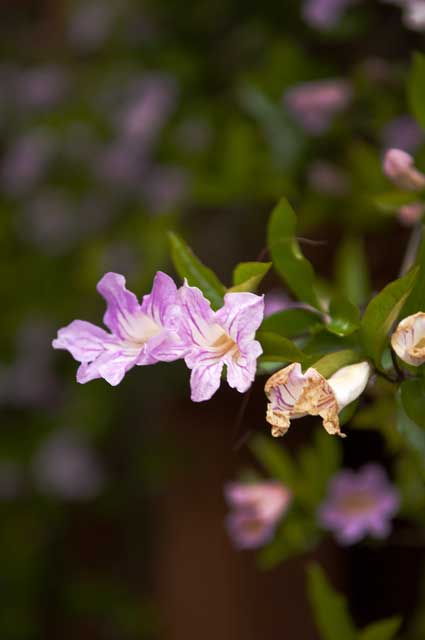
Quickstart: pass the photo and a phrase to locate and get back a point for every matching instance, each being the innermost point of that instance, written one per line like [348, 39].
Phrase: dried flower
[293, 394]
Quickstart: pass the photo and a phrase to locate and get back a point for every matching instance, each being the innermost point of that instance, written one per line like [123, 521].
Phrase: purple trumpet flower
[140, 334]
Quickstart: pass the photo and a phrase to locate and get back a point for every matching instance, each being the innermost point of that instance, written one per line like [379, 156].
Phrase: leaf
[392, 200]
[413, 435]
[416, 300]
[248, 275]
[330, 363]
[189, 266]
[317, 464]
[329, 607]
[381, 313]
[288, 260]
[274, 459]
[345, 316]
[297, 534]
[351, 270]
[382, 630]
[416, 88]
[291, 322]
[412, 394]
[279, 349]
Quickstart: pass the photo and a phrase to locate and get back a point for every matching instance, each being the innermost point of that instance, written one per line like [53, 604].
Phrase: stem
[411, 249]
[397, 369]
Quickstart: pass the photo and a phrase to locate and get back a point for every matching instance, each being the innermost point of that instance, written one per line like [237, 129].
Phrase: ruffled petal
[84, 341]
[121, 305]
[111, 366]
[241, 315]
[241, 371]
[205, 378]
[162, 298]
[197, 317]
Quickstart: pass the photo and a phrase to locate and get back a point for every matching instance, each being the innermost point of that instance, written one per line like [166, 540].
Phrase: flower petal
[83, 340]
[408, 340]
[121, 304]
[205, 377]
[241, 315]
[241, 371]
[111, 366]
[162, 297]
[197, 317]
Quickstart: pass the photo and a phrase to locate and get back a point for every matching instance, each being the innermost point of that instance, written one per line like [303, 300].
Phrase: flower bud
[408, 340]
[400, 168]
[293, 394]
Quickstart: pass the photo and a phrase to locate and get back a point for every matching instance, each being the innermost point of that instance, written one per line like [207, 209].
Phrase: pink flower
[276, 301]
[256, 510]
[410, 214]
[399, 167]
[224, 337]
[324, 14]
[141, 334]
[315, 104]
[359, 503]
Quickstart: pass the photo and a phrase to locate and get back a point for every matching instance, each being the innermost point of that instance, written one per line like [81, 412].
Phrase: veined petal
[121, 305]
[408, 340]
[161, 299]
[241, 315]
[197, 318]
[166, 346]
[111, 366]
[205, 377]
[84, 340]
[241, 369]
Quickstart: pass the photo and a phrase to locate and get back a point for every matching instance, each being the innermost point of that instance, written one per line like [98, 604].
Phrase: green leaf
[330, 363]
[382, 630]
[416, 88]
[279, 349]
[413, 435]
[288, 260]
[351, 270]
[274, 458]
[345, 316]
[330, 608]
[189, 266]
[297, 534]
[381, 313]
[416, 300]
[291, 322]
[392, 201]
[413, 399]
[248, 275]
[317, 463]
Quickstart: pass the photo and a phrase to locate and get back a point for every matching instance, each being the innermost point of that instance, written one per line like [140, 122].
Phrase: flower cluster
[168, 325]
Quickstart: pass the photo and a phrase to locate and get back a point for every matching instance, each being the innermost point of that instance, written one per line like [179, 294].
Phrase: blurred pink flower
[315, 104]
[26, 161]
[399, 167]
[328, 179]
[410, 214]
[324, 14]
[41, 87]
[402, 133]
[275, 301]
[359, 503]
[256, 511]
[66, 467]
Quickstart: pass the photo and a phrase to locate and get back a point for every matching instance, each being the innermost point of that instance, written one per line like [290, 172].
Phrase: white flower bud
[400, 168]
[408, 340]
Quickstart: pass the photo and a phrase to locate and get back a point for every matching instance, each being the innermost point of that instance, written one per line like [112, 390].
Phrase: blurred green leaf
[382, 312]
[416, 299]
[189, 266]
[330, 363]
[416, 88]
[248, 275]
[382, 630]
[287, 257]
[329, 607]
[274, 459]
[412, 394]
[317, 463]
[345, 316]
[279, 349]
[413, 435]
[291, 322]
[393, 200]
[351, 270]
[297, 534]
